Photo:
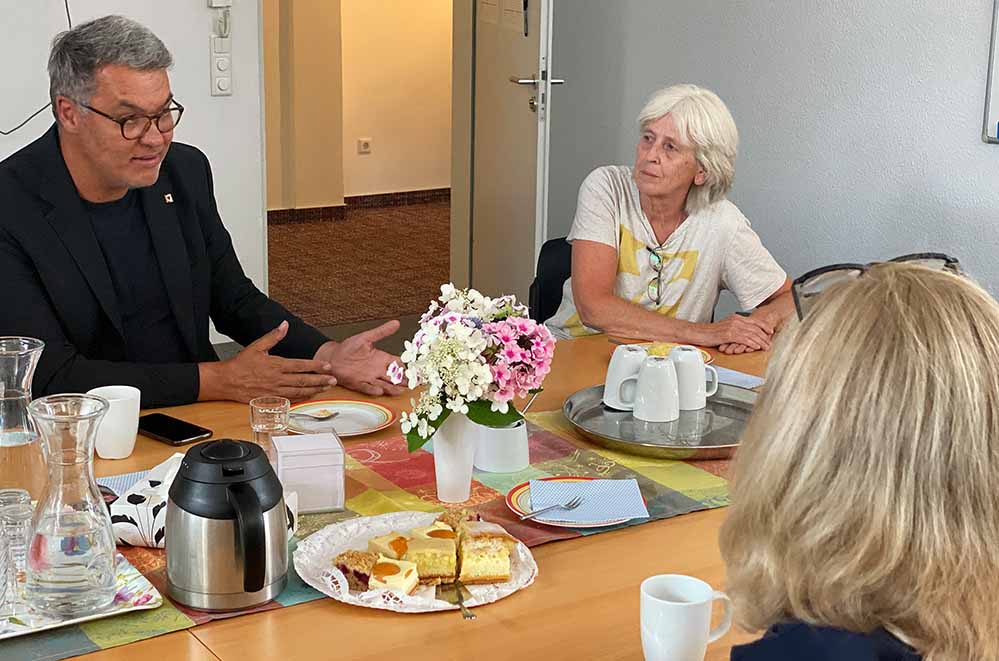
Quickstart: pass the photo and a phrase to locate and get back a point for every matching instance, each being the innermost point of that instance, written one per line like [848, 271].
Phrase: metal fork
[465, 613]
[571, 505]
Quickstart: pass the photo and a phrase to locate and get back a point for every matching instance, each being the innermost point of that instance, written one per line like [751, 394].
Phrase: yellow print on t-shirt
[677, 272]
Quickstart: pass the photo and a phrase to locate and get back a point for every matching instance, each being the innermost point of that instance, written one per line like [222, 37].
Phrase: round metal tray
[709, 433]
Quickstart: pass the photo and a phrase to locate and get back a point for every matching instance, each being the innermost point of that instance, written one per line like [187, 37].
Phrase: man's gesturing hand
[254, 373]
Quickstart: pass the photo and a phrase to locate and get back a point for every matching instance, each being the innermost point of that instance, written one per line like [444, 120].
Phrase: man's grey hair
[78, 54]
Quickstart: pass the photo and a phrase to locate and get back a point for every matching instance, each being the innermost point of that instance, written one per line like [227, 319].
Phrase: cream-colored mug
[691, 373]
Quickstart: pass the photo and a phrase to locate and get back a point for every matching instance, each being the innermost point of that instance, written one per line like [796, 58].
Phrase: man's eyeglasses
[807, 288]
[134, 127]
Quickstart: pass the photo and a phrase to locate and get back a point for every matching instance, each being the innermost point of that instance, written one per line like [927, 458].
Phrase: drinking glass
[15, 532]
[268, 417]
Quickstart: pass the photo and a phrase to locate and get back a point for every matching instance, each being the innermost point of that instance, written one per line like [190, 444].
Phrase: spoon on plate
[319, 416]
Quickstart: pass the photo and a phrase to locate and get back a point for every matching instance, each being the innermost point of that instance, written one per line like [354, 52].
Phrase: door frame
[462, 132]
[463, 24]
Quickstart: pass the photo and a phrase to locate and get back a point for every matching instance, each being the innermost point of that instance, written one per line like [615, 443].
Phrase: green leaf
[480, 411]
[413, 439]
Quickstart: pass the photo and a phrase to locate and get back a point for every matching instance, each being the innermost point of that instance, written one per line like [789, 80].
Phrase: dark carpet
[374, 263]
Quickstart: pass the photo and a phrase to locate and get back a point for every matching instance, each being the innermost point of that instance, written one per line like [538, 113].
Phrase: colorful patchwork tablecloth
[381, 476]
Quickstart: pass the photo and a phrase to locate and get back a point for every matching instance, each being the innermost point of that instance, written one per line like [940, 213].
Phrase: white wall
[860, 119]
[396, 91]
[227, 129]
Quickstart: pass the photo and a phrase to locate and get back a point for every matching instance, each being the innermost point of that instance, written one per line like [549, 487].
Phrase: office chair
[554, 268]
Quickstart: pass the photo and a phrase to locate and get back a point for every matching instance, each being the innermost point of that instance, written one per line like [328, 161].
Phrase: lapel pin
[168, 198]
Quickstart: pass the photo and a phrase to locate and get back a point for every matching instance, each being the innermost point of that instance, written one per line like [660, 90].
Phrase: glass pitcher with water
[22, 464]
[71, 556]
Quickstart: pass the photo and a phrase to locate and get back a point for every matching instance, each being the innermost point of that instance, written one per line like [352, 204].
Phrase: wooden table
[584, 604]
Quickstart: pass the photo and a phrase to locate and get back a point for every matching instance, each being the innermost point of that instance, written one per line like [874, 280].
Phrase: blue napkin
[740, 379]
[603, 500]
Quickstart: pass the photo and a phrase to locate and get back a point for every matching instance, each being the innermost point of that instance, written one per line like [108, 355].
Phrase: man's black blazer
[56, 286]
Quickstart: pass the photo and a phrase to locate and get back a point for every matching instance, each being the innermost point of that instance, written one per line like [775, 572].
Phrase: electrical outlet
[364, 145]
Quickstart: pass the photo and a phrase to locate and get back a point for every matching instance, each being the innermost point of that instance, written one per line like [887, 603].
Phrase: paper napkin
[138, 517]
[740, 379]
[603, 500]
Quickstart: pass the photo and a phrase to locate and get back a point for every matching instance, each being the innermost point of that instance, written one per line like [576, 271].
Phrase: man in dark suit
[113, 252]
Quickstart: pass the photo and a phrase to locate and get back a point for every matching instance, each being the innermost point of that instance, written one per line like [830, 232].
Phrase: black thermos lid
[208, 469]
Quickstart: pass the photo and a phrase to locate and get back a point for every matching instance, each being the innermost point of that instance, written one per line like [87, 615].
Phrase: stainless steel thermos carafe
[226, 528]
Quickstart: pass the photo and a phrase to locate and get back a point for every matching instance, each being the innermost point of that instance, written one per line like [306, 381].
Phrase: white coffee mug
[676, 617]
[656, 394]
[116, 435]
[691, 373]
[619, 386]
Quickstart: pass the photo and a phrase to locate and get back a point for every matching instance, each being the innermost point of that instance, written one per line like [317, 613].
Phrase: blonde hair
[864, 491]
[708, 125]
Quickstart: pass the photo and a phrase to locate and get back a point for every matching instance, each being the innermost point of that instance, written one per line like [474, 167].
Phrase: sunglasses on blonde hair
[807, 288]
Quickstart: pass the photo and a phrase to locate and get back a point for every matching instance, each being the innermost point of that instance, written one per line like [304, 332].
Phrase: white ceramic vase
[502, 449]
[454, 454]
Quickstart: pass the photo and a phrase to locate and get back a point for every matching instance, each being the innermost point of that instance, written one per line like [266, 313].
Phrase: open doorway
[358, 124]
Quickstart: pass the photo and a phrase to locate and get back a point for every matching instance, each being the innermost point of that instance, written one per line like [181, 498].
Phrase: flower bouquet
[473, 354]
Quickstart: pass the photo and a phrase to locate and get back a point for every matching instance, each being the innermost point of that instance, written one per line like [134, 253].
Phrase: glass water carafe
[22, 464]
[71, 556]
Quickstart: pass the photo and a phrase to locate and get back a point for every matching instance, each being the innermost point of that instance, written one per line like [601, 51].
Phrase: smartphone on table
[171, 430]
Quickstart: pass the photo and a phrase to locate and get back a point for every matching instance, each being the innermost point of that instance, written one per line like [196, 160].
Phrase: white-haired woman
[654, 244]
[865, 517]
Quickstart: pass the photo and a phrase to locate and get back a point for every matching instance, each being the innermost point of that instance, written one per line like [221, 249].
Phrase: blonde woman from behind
[865, 517]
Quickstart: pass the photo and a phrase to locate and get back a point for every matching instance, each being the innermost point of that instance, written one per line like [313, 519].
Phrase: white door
[510, 143]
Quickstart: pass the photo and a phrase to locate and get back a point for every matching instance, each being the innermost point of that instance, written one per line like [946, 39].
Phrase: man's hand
[358, 365]
[254, 373]
[751, 332]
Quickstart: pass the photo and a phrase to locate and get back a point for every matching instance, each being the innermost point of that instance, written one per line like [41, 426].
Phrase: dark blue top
[796, 640]
[151, 331]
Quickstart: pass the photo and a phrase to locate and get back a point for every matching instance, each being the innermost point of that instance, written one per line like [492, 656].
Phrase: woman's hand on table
[752, 333]
[734, 348]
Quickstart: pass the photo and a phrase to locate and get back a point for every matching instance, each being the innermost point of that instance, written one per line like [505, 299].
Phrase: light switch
[220, 65]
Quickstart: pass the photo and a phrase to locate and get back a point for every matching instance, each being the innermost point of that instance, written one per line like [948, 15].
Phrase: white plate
[355, 417]
[314, 563]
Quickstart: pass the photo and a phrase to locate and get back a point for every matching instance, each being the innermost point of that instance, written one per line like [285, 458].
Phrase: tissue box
[311, 465]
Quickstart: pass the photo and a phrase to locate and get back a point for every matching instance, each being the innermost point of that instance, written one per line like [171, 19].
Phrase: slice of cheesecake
[484, 552]
[436, 559]
[391, 574]
[392, 545]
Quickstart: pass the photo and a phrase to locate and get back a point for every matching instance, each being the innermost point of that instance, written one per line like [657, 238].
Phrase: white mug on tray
[691, 373]
[656, 394]
[619, 386]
